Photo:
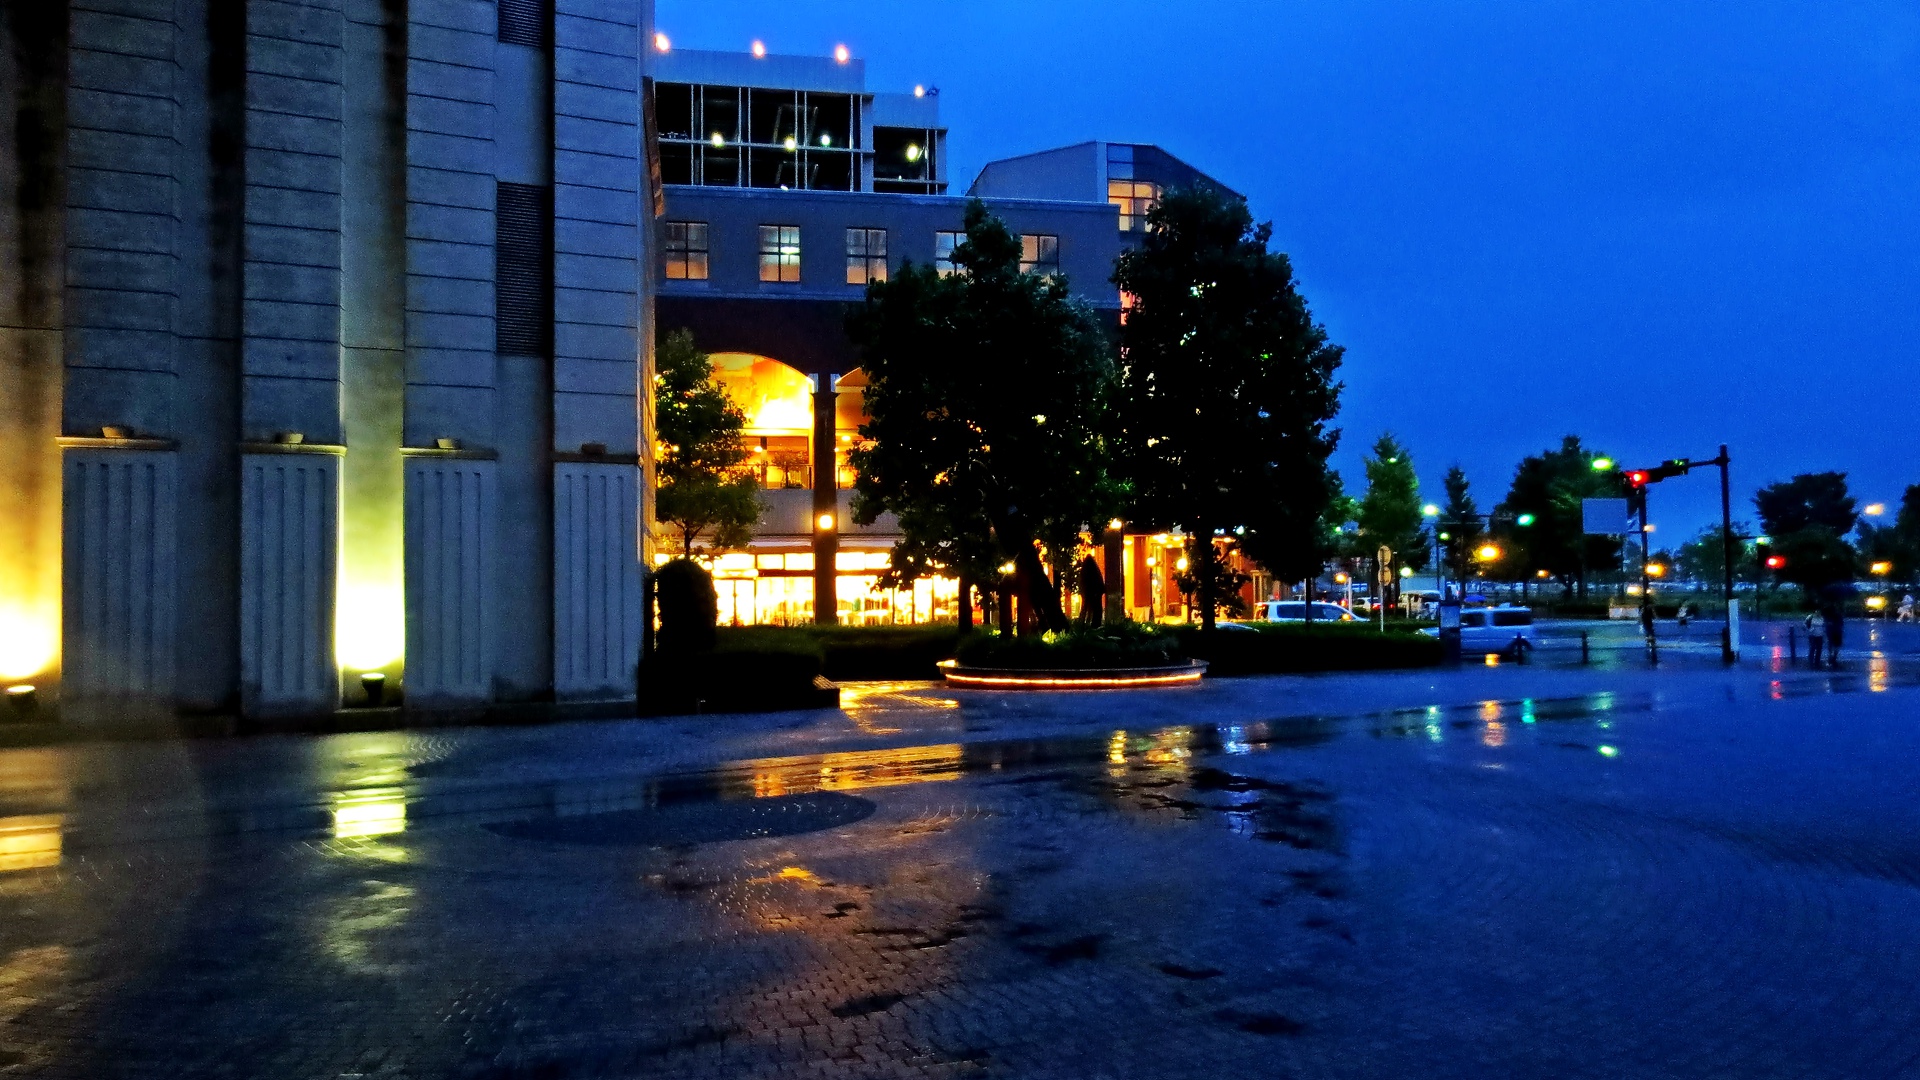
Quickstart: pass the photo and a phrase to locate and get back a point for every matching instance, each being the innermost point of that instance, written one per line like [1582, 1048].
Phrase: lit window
[1134, 198]
[866, 256]
[1039, 254]
[686, 251]
[943, 245]
[779, 253]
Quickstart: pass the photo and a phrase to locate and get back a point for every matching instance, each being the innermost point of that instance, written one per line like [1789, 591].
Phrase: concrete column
[826, 504]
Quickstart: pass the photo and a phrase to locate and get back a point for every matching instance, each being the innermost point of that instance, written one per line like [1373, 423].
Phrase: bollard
[1585, 656]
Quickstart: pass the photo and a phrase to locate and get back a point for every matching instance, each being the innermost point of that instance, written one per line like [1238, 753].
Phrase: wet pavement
[1553, 870]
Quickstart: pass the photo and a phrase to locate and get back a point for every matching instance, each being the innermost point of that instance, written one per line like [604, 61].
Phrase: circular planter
[990, 678]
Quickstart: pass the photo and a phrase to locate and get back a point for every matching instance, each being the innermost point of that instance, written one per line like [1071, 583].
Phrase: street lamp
[1601, 464]
[1430, 510]
[1488, 552]
[1882, 568]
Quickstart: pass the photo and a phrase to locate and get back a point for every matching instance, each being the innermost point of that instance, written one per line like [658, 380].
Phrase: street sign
[1383, 563]
[1604, 517]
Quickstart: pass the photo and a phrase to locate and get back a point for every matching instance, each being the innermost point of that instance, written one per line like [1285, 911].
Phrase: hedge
[1279, 648]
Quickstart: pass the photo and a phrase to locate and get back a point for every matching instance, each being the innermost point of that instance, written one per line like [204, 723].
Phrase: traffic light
[1524, 520]
[1763, 551]
[1776, 562]
[1637, 478]
[1640, 478]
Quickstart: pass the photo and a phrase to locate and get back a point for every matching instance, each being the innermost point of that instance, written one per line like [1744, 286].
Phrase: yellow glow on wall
[29, 640]
[370, 627]
[777, 399]
[30, 843]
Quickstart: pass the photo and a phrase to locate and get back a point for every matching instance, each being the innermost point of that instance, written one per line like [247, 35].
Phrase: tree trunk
[1037, 594]
[1003, 605]
[966, 604]
[1209, 586]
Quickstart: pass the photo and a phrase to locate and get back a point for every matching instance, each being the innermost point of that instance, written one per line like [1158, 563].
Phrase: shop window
[1039, 254]
[780, 253]
[943, 244]
[686, 251]
[866, 256]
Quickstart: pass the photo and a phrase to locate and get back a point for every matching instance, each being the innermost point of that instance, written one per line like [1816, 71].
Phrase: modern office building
[322, 329]
[788, 187]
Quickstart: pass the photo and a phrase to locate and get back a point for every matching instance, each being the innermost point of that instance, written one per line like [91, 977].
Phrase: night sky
[1659, 225]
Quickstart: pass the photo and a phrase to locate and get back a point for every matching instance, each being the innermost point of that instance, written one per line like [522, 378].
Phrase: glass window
[779, 253]
[943, 245]
[1513, 618]
[686, 251]
[866, 256]
[1134, 198]
[1120, 161]
[1039, 254]
[1473, 618]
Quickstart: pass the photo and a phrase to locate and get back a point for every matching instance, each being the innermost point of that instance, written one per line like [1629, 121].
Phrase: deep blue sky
[1660, 225]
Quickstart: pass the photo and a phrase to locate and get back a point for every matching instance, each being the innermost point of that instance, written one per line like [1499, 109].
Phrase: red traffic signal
[1637, 478]
[1775, 562]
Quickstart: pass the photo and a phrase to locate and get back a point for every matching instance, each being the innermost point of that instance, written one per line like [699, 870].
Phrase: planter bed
[1116, 678]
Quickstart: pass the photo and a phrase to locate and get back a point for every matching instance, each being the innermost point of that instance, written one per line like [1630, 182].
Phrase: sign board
[1604, 517]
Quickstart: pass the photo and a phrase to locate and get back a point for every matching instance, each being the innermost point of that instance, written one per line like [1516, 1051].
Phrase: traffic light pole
[1647, 611]
[1729, 648]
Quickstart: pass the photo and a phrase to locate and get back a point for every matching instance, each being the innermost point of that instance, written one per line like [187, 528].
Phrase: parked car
[1506, 629]
[1296, 611]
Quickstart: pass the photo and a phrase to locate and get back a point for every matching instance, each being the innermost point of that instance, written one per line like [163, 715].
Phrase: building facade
[322, 326]
[789, 186]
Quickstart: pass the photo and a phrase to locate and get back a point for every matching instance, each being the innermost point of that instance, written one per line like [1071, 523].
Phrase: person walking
[1906, 608]
[1835, 620]
[1816, 639]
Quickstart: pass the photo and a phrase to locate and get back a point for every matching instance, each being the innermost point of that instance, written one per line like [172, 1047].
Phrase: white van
[1506, 629]
[1296, 611]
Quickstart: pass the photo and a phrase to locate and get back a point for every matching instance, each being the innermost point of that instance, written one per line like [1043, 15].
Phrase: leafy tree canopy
[1226, 388]
[1552, 486]
[1460, 524]
[1807, 500]
[700, 486]
[1808, 519]
[1390, 511]
[987, 396]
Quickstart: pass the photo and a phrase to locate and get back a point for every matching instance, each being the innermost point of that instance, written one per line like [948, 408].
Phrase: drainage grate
[697, 822]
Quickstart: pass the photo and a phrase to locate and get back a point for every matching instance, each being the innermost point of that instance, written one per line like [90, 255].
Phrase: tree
[1459, 525]
[1551, 486]
[987, 394]
[1808, 519]
[701, 487]
[1390, 511]
[1226, 386]
[1704, 558]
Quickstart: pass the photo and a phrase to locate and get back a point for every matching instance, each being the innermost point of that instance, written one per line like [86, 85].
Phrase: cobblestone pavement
[1484, 873]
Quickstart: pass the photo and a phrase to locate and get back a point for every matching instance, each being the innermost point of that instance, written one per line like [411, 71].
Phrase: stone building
[321, 329]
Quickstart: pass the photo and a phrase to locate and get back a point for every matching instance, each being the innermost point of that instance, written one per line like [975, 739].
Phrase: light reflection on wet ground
[1668, 879]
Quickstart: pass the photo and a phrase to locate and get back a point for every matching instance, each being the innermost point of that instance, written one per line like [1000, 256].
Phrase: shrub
[1122, 645]
[757, 681]
[853, 652]
[1276, 648]
[688, 606]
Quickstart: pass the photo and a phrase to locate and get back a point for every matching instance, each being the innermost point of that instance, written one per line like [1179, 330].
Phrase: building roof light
[919, 90]
[790, 143]
[662, 43]
[826, 140]
[841, 54]
[718, 140]
[759, 48]
[913, 151]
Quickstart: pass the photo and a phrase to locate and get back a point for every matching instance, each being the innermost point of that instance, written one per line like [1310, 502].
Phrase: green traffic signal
[1523, 519]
